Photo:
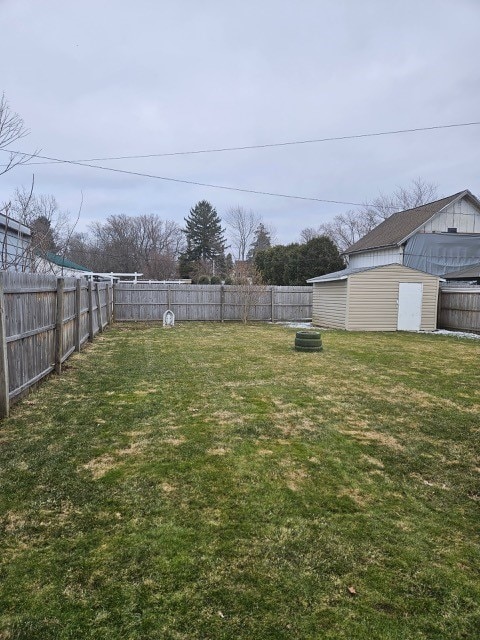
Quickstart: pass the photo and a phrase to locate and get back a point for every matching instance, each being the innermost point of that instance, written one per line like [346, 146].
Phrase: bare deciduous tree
[249, 289]
[346, 228]
[12, 129]
[242, 225]
[51, 227]
[145, 244]
[307, 234]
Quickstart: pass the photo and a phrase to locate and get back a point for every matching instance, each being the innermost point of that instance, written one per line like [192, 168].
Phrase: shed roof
[473, 271]
[63, 262]
[401, 225]
[340, 275]
[345, 273]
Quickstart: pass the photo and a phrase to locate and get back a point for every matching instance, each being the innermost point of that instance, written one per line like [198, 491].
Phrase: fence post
[169, 297]
[90, 311]
[107, 301]
[4, 382]
[59, 326]
[222, 303]
[272, 303]
[113, 302]
[99, 308]
[78, 311]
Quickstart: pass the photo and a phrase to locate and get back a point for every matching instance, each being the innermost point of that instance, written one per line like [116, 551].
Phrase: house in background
[437, 238]
[60, 266]
[17, 253]
[15, 245]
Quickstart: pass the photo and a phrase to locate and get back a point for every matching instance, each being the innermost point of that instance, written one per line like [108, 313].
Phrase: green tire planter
[300, 342]
[308, 335]
[308, 349]
[308, 341]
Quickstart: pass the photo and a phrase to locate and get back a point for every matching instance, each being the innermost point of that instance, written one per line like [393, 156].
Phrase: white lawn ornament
[168, 318]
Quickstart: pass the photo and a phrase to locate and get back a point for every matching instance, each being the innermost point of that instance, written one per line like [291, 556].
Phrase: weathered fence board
[149, 301]
[43, 319]
[459, 308]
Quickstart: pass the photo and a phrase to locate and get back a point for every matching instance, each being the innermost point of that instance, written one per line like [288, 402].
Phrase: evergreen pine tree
[261, 242]
[204, 235]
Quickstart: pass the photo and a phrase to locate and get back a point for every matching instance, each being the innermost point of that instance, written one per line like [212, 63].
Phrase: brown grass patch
[355, 494]
[100, 466]
[430, 483]
[226, 418]
[14, 522]
[218, 451]
[290, 420]
[365, 436]
[175, 442]
[294, 477]
[375, 461]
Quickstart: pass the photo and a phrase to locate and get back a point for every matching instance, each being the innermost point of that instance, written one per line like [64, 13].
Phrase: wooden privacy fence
[459, 308]
[43, 320]
[149, 301]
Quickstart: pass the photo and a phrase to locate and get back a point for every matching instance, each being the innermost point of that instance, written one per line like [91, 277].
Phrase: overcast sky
[102, 78]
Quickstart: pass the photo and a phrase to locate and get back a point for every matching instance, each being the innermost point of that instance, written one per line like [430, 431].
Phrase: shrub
[204, 280]
[215, 280]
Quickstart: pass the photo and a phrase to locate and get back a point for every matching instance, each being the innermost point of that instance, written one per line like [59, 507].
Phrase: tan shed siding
[373, 295]
[330, 304]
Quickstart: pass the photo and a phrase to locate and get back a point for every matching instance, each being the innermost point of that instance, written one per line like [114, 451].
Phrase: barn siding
[462, 215]
[376, 258]
[330, 304]
[373, 295]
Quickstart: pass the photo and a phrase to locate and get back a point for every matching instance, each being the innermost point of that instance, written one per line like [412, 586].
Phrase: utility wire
[193, 182]
[269, 145]
[86, 163]
[95, 250]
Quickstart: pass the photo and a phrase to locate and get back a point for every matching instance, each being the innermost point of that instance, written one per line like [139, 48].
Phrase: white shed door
[409, 306]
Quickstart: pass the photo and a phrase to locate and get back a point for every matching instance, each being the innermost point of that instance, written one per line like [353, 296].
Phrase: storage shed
[388, 297]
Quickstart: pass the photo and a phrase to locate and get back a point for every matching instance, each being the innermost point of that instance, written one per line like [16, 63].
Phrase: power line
[95, 250]
[269, 145]
[192, 182]
[86, 163]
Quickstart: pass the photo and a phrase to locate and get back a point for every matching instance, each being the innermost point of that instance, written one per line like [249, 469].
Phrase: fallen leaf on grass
[352, 591]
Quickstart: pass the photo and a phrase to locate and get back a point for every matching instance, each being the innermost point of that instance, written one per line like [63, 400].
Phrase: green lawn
[209, 482]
